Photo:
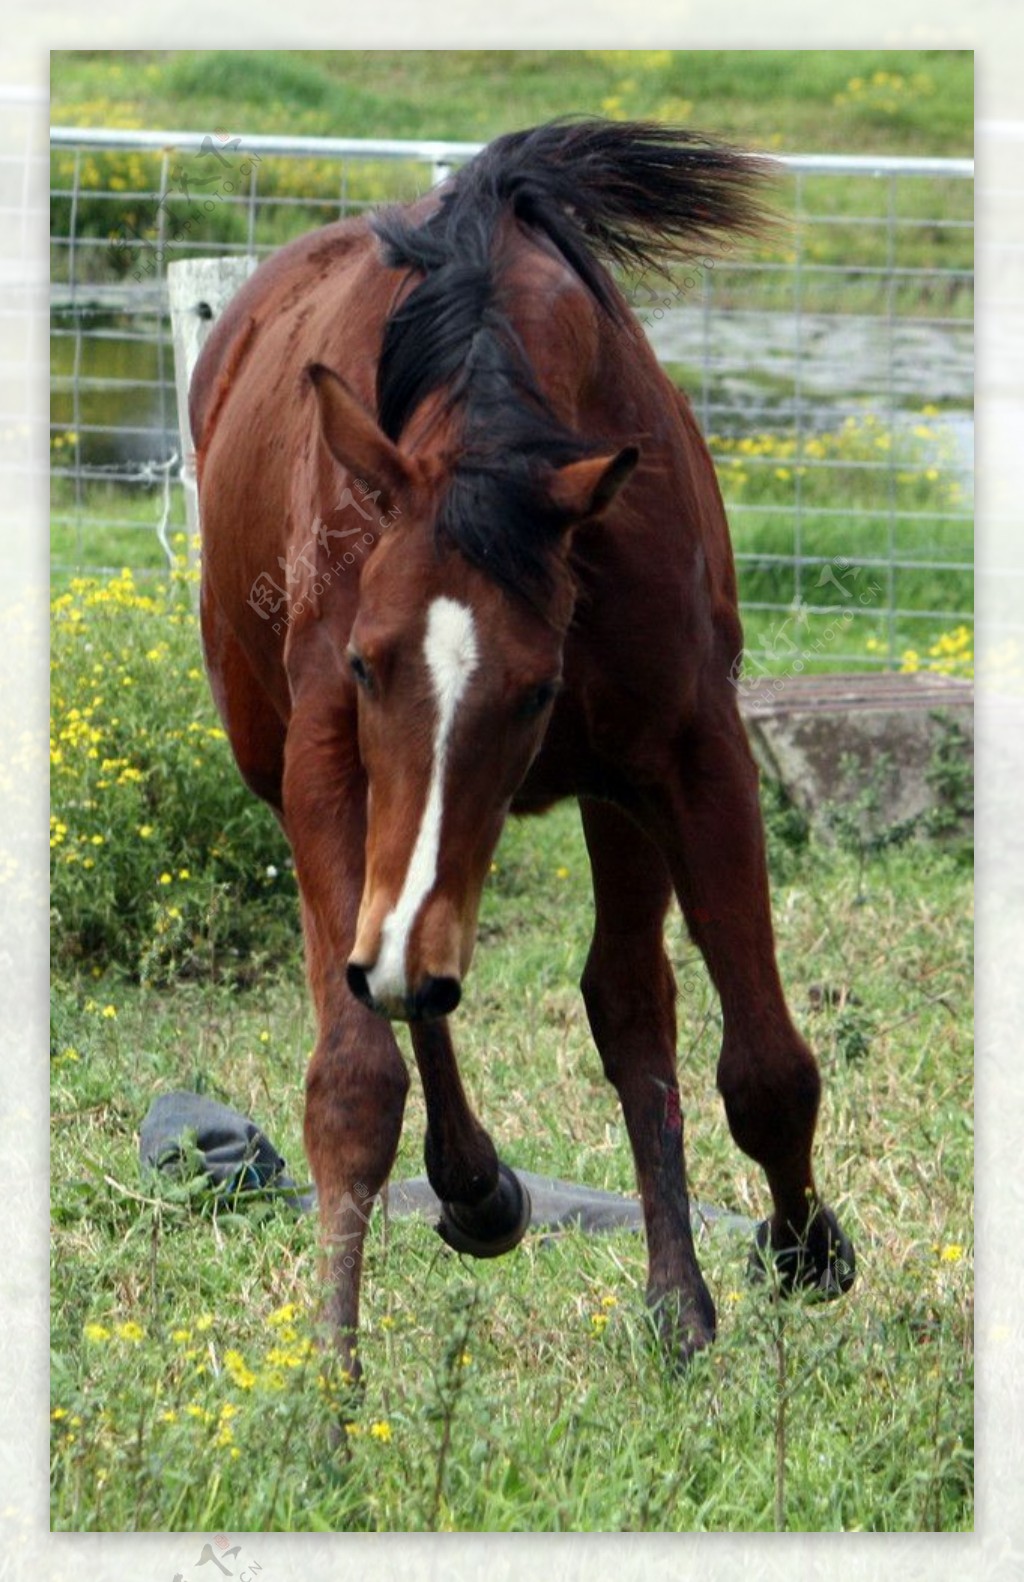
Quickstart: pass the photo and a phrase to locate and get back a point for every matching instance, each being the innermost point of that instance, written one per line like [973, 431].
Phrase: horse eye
[537, 699]
[360, 670]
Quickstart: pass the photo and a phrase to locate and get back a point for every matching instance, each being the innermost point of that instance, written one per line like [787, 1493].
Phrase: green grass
[526, 1395]
[107, 526]
[796, 99]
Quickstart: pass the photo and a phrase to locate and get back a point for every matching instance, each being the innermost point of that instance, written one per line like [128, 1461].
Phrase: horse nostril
[438, 997]
[357, 982]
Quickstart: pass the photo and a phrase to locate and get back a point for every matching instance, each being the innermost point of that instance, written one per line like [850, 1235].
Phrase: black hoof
[685, 1324]
[823, 1262]
[493, 1226]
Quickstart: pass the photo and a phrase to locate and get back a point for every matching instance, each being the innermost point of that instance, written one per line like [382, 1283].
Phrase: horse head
[455, 678]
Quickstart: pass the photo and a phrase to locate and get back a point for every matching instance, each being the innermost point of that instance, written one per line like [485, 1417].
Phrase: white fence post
[198, 290]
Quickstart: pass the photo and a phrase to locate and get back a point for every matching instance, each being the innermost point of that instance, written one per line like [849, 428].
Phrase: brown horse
[464, 554]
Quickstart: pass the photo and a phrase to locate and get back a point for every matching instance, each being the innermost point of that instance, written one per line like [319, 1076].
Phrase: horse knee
[353, 1119]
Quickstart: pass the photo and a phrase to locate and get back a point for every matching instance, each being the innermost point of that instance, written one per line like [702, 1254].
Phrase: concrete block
[827, 739]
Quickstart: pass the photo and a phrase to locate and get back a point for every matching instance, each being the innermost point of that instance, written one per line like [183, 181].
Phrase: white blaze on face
[451, 653]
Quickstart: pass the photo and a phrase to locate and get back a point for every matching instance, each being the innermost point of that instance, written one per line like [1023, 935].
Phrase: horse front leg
[707, 820]
[629, 991]
[485, 1209]
[357, 1081]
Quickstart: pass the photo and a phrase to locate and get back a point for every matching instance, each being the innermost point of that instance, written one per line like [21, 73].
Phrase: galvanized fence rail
[832, 369]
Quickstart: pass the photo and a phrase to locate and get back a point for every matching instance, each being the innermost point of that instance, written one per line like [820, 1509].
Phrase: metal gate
[831, 367]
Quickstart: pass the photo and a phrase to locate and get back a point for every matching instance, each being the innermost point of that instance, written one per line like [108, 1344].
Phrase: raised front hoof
[685, 1325]
[493, 1226]
[822, 1262]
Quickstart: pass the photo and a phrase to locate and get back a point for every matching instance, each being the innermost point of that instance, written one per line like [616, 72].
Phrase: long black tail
[621, 192]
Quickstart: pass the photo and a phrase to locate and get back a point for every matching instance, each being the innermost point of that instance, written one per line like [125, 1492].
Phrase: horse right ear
[352, 436]
[587, 488]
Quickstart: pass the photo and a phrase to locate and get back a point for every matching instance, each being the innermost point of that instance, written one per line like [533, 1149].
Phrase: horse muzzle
[432, 997]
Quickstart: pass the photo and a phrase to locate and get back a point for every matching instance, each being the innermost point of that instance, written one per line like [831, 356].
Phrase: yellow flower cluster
[380, 1431]
[599, 1320]
[866, 441]
[639, 67]
[219, 1391]
[885, 91]
[85, 751]
[144, 870]
[100, 112]
[951, 654]
[84, 721]
[633, 60]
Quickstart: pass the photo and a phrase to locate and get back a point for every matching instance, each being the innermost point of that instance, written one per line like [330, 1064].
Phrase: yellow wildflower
[284, 1315]
[235, 1367]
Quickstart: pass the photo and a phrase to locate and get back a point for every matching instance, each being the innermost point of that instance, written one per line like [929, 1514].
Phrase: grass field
[912, 100]
[525, 1395]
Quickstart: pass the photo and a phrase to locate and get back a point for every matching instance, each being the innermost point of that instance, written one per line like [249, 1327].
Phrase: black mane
[602, 192]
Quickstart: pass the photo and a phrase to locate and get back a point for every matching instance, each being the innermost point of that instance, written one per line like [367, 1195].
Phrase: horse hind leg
[708, 821]
[629, 992]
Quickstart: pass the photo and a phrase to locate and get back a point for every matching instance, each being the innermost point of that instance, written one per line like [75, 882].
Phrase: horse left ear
[352, 436]
[586, 488]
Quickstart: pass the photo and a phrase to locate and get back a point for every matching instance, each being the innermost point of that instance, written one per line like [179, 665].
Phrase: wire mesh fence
[831, 367]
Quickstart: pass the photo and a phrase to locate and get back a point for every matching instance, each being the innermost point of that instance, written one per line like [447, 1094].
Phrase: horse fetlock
[341, 1381]
[493, 1226]
[772, 1106]
[685, 1320]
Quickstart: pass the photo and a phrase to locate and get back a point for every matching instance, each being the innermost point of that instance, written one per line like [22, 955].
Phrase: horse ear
[352, 436]
[586, 488]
